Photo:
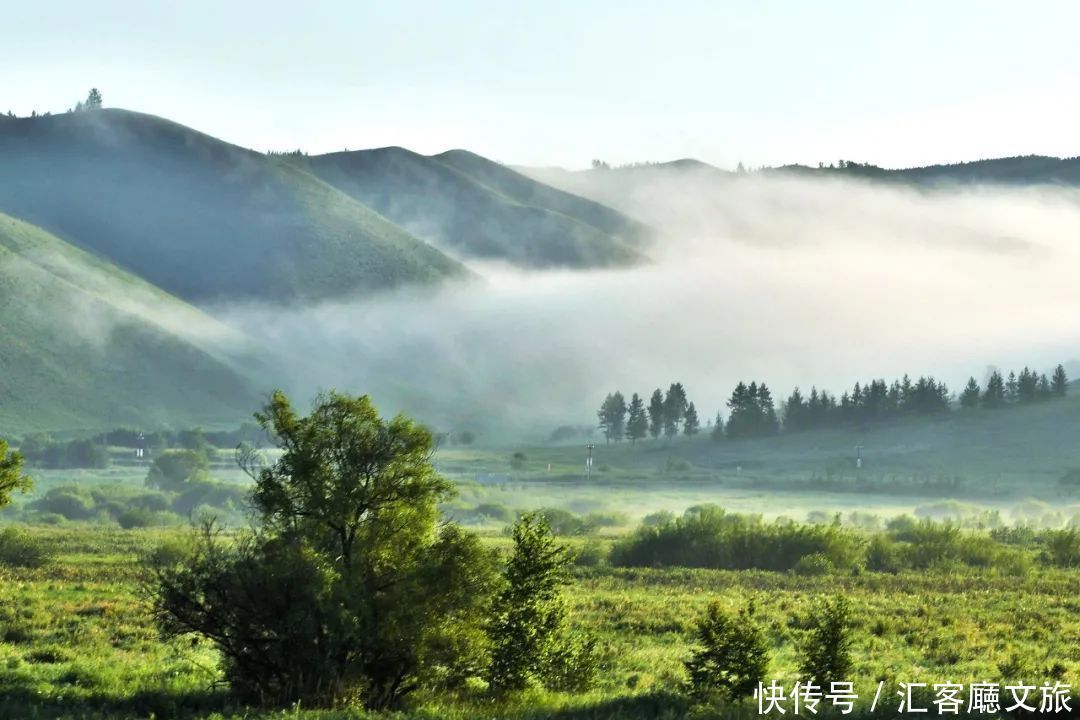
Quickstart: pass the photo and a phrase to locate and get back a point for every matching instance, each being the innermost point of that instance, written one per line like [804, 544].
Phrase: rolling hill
[85, 345]
[475, 208]
[202, 219]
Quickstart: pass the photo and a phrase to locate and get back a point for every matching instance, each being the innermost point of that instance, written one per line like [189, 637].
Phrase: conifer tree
[656, 413]
[637, 424]
[718, 428]
[1059, 382]
[691, 424]
[674, 409]
[969, 398]
[994, 395]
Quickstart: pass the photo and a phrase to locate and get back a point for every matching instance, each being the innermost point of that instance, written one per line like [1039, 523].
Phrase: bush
[43, 451]
[707, 537]
[67, 500]
[529, 637]
[826, 650]
[175, 469]
[813, 565]
[732, 656]
[1062, 548]
[591, 554]
[19, 549]
[564, 522]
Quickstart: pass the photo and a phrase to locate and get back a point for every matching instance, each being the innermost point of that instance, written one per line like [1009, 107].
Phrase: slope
[84, 345]
[473, 219]
[202, 219]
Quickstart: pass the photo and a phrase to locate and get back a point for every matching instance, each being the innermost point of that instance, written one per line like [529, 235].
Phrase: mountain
[475, 208]
[85, 345]
[202, 219]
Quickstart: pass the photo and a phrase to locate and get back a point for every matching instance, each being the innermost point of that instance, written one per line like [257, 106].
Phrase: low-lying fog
[791, 281]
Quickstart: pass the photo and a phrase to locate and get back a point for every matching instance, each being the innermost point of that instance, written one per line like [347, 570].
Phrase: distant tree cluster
[666, 414]
[865, 403]
[92, 102]
[1023, 389]
[752, 411]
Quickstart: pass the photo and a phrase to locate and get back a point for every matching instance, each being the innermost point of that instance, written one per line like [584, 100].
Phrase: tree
[674, 409]
[349, 588]
[612, 415]
[994, 395]
[11, 475]
[732, 656]
[718, 428]
[969, 398]
[93, 100]
[691, 423]
[637, 425]
[826, 651]
[175, 469]
[529, 636]
[656, 413]
[1059, 383]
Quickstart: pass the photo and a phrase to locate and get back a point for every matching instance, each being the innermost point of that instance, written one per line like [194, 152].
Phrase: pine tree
[612, 416]
[795, 412]
[93, 100]
[1044, 391]
[674, 409]
[1059, 383]
[767, 423]
[969, 398]
[691, 424]
[1026, 386]
[994, 395]
[637, 425]
[718, 428]
[1012, 389]
[656, 413]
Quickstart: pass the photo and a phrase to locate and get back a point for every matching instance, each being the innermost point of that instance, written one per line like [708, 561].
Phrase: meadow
[988, 600]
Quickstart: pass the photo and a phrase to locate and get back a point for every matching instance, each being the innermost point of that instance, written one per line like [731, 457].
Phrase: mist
[790, 281]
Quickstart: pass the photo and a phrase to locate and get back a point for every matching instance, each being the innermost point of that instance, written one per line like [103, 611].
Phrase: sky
[562, 82]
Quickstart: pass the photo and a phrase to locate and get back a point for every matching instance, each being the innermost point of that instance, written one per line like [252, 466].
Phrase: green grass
[77, 639]
[84, 344]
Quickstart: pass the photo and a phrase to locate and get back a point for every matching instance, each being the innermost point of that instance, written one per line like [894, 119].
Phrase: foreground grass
[77, 640]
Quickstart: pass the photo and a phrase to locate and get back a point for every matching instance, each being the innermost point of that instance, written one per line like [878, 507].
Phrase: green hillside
[85, 345]
[200, 218]
[528, 191]
[480, 218]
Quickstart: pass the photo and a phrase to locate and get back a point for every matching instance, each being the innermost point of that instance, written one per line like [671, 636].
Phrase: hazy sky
[561, 82]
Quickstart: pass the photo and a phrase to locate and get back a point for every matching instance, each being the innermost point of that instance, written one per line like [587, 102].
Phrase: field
[77, 637]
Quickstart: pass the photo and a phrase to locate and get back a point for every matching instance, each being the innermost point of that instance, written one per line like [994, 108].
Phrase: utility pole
[588, 462]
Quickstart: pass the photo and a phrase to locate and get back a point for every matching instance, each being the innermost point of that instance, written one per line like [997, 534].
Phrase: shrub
[1062, 548]
[826, 650]
[813, 564]
[175, 469]
[11, 475]
[883, 555]
[529, 636]
[708, 537]
[591, 554]
[19, 549]
[732, 656]
[564, 522]
[661, 517]
[67, 500]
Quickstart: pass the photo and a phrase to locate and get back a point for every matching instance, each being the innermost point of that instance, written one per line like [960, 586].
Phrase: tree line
[752, 412]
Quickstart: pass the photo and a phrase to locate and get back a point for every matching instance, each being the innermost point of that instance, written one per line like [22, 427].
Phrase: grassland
[85, 344]
[77, 638]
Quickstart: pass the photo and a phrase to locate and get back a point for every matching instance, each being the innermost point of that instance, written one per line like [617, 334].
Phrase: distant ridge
[474, 208]
[200, 218]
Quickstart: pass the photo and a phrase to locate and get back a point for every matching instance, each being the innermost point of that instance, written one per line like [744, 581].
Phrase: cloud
[786, 280]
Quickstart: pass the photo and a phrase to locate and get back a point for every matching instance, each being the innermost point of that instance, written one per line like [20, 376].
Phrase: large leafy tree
[11, 475]
[349, 588]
